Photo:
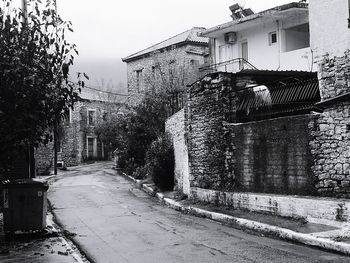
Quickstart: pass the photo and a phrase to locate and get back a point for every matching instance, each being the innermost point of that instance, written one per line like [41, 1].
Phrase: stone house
[78, 142]
[274, 141]
[170, 64]
[274, 39]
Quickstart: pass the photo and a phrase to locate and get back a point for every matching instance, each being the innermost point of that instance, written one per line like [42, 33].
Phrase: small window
[194, 62]
[68, 117]
[272, 38]
[153, 71]
[139, 81]
[91, 117]
[59, 144]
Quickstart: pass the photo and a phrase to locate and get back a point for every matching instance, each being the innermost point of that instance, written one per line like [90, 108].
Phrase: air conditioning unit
[230, 38]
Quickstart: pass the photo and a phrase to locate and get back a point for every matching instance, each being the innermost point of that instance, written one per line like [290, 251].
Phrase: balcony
[233, 66]
[299, 59]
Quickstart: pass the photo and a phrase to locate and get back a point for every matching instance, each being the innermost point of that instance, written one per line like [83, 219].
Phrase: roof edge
[187, 40]
[254, 16]
[129, 58]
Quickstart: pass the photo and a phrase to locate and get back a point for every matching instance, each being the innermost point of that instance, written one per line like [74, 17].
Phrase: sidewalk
[296, 230]
[50, 246]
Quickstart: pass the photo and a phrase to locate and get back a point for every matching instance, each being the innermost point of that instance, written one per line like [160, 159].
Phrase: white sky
[107, 30]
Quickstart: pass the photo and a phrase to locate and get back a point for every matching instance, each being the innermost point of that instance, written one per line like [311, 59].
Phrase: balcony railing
[233, 65]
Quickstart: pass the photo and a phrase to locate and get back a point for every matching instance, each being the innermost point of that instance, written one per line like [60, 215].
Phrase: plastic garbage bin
[24, 205]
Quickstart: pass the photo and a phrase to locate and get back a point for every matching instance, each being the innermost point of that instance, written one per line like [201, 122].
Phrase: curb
[51, 224]
[283, 233]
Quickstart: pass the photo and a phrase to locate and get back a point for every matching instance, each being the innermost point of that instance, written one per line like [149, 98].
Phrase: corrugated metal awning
[279, 98]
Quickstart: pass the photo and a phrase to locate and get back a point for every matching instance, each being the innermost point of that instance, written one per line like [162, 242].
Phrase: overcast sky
[107, 30]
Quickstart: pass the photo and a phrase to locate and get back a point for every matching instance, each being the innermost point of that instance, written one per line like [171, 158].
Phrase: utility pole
[55, 128]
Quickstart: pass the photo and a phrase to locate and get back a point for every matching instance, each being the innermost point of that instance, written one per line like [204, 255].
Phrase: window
[59, 145]
[154, 71]
[91, 147]
[139, 80]
[104, 115]
[194, 62]
[91, 120]
[272, 38]
[68, 117]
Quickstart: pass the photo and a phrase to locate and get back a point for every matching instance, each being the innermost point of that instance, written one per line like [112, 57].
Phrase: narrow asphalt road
[116, 222]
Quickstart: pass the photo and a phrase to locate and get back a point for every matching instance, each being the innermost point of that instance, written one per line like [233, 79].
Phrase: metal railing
[233, 65]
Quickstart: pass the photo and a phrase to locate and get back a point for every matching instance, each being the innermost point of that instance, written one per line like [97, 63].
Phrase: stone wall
[208, 106]
[271, 156]
[330, 146]
[334, 75]
[44, 159]
[73, 137]
[303, 154]
[330, 132]
[175, 126]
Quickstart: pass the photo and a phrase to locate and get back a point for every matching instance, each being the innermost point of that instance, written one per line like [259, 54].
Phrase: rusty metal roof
[278, 99]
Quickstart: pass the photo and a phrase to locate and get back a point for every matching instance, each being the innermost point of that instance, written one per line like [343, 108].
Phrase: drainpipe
[279, 44]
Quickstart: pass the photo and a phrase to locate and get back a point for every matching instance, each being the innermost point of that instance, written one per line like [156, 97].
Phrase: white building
[274, 39]
[329, 27]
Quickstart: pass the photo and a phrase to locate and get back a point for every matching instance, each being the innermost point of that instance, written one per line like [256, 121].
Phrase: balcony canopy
[270, 15]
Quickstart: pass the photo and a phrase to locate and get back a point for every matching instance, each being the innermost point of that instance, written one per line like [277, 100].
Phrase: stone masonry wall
[208, 106]
[44, 159]
[175, 126]
[73, 137]
[330, 146]
[334, 75]
[271, 156]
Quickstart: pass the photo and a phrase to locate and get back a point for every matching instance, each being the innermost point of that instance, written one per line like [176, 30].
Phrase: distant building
[78, 142]
[274, 39]
[172, 62]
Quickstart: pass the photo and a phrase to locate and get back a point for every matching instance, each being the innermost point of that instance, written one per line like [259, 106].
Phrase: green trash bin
[24, 205]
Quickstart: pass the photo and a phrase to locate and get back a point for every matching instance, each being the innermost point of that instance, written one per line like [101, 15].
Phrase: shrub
[160, 162]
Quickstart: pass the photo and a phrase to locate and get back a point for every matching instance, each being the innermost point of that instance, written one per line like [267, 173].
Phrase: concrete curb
[51, 224]
[283, 233]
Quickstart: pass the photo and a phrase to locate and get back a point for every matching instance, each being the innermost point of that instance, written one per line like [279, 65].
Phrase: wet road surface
[116, 222]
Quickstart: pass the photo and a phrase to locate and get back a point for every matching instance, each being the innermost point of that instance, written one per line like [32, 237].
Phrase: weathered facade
[255, 145]
[175, 126]
[168, 65]
[273, 39]
[78, 142]
[267, 156]
[330, 143]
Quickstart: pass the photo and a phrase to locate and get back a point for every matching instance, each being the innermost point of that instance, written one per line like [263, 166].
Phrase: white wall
[313, 209]
[270, 57]
[175, 126]
[260, 54]
[329, 27]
